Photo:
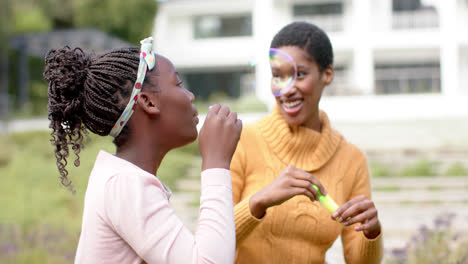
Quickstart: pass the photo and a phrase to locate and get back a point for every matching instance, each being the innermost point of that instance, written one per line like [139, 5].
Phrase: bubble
[283, 70]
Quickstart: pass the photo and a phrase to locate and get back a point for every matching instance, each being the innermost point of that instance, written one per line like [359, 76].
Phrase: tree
[5, 21]
[129, 20]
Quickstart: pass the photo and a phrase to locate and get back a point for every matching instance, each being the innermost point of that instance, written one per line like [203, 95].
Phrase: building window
[230, 84]
[328, 16]
[407, 78]
[408, 14]
[213, 26]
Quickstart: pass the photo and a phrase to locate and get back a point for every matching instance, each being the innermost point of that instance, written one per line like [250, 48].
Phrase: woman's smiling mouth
[292, 106]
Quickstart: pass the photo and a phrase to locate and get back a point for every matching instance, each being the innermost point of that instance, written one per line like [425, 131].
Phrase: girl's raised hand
[361, 210]
[291, 182]
[218, 137]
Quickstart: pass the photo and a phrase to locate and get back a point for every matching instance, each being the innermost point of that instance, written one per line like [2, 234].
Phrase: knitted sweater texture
[299, 230]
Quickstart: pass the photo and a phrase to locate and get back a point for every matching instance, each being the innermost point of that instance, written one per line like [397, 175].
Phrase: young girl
[127, 217]
[281, 157]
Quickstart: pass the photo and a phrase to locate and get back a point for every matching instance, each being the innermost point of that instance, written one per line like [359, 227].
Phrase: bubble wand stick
[326, 201]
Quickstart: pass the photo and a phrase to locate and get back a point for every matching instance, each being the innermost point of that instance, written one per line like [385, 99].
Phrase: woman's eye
[301, 74]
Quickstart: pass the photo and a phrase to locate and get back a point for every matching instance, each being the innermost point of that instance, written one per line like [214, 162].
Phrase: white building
[394, 59]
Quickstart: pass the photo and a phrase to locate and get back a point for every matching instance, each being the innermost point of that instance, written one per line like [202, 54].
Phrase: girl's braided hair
[86, 93]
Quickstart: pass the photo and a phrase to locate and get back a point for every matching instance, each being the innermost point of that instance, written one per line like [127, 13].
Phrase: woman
[127, 217]
[280, 158]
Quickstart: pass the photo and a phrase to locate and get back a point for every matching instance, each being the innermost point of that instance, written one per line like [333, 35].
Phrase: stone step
[422, 197]
[456, 182]
[406, 218]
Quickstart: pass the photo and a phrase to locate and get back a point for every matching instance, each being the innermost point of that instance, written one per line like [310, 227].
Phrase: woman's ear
[149, 103]
[327, 75]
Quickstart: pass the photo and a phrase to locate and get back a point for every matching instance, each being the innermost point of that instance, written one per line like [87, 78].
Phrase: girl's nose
[191, 96]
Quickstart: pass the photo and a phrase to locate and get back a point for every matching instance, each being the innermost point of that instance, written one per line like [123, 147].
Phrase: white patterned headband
[147, 61]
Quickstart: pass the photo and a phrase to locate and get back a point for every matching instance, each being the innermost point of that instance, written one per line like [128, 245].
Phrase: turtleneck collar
[299, 146]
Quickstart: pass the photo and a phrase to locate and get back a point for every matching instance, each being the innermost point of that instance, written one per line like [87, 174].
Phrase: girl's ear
[149, 103]
[327, 75]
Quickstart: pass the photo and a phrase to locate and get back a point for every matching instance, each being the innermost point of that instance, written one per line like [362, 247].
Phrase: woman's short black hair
[309, 37]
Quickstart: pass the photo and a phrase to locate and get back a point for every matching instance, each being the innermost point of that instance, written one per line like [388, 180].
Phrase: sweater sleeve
[139, 212]
[245, 221]
[357, 247]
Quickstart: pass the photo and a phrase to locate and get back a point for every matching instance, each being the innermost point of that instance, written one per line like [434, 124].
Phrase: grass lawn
[41, 220]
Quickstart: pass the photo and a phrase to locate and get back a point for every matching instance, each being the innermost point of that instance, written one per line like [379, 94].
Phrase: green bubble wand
[326, 201]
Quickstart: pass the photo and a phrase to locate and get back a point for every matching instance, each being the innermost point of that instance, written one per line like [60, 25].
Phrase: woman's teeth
[292, 104]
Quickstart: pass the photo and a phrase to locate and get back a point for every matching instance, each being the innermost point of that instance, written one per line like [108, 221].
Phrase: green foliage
[129, 20]
[60, 12]
[41, 219]
[5, 24]
[30, 19]
[421, 168]
[457, 169]
[380, 170]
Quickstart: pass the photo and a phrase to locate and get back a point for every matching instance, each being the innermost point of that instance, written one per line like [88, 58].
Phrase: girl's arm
[139, 212]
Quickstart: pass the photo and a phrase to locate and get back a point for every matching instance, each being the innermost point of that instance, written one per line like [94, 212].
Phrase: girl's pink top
[127, 218]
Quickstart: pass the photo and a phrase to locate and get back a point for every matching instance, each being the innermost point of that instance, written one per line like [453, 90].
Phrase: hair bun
[66, 67]
[66, 70]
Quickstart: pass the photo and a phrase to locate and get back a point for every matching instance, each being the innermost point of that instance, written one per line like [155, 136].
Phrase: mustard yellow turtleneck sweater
[297, 231]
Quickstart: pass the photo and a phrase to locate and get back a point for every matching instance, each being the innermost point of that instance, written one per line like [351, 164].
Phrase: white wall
[174, 35]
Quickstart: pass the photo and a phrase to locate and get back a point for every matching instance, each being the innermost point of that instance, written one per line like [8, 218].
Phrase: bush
[421, 168]
[440, 245]
[43, 244]
[457, 169]
[379, 170]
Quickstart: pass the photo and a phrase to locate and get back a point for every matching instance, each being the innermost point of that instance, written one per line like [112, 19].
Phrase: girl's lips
[196, 120]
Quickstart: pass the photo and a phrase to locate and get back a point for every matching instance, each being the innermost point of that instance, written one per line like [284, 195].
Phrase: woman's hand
[218, 137]
[361, 210]
[291, 182]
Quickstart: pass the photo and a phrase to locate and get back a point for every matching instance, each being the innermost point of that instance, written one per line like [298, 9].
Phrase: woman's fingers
[361, 217]
[338, 213]
[356, 208]
[368, 225]
[303, 191]
[303, 175]
[359, 210]
[306, 185]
